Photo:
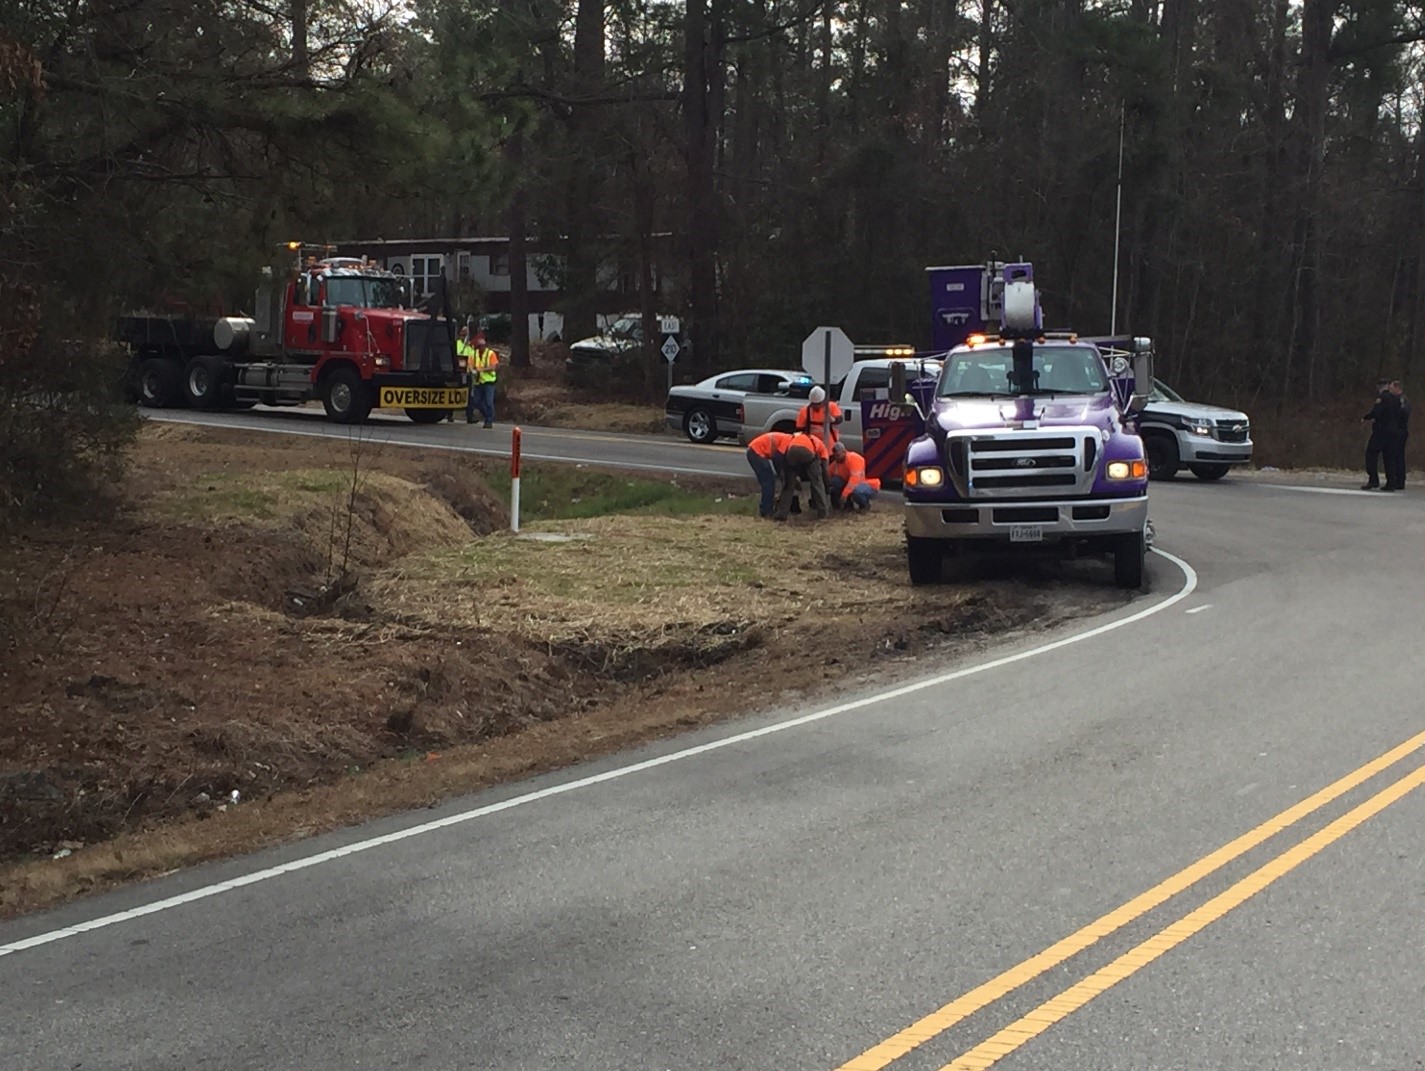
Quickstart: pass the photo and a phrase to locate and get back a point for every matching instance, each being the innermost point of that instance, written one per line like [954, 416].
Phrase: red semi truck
[337, 329]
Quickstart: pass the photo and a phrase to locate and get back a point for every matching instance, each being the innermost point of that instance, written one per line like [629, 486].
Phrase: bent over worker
[848, 484]
[813, 416]
[767, 456]
[805, 461]
[484, 366]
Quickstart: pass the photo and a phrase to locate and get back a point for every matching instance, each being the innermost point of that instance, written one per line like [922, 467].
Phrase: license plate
[423, 397]
[1026, 533]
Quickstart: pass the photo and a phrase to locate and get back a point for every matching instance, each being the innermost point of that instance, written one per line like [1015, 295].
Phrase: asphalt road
[802, 887]
[652, 453]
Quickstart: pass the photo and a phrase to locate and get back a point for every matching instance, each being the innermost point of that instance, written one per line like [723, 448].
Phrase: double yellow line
[1030, 1026]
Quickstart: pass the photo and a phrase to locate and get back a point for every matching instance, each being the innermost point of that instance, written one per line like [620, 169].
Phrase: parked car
[1208, 439]
[718, 406]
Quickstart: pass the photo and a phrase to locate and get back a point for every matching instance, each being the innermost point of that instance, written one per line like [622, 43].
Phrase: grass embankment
[199, 644]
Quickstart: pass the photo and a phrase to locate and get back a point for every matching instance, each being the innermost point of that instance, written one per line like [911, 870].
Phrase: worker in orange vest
[805, 461]
[849, 486]
[813, 416]
[767, 456]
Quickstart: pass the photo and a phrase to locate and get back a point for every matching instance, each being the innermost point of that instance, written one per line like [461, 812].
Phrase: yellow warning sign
[423, 397]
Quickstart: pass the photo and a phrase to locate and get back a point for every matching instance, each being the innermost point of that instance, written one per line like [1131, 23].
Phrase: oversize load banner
[423, 398]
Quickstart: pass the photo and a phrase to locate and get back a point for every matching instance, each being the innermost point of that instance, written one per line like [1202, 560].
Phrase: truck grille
[1021, 464]
[439, 357]
[1231, 431]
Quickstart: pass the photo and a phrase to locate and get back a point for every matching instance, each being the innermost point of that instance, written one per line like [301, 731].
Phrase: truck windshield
[1057, 370]
[364, 292]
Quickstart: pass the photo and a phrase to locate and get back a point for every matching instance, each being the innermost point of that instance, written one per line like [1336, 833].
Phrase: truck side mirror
[897, 379]
[1142, 377]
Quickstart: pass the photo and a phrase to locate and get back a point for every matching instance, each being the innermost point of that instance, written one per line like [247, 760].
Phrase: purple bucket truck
[1030, 439]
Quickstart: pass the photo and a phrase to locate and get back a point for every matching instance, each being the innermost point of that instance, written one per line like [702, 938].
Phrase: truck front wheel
[1129, 560]
[159, 383]
[345, 397]
[203, 382]
[427, 416]
[924, 556]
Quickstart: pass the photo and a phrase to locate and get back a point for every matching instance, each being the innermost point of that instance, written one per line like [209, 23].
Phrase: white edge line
[487, 451]
[1189, 586]
[1322, 490]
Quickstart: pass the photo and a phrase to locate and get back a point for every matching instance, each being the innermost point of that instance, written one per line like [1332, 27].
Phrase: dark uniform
[1393, 443]
[1375, 445]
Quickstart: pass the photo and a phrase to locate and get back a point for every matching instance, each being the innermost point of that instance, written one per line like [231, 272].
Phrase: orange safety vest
[809, 442]
[852, 469]
[813, 417]
[769, 443]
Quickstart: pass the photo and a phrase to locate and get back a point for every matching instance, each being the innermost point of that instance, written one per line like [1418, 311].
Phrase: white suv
[1208, 439]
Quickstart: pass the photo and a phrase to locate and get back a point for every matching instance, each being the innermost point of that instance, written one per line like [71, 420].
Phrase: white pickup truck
[868, 380]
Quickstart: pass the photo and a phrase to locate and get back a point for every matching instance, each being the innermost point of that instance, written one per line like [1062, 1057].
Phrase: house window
[424, 272]
[499, 264]
[463, 269]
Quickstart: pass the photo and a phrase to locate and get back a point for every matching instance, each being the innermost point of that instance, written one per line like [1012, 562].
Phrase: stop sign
[827, 355]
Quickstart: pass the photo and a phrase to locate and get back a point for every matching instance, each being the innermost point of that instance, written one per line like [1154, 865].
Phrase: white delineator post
[515, 480]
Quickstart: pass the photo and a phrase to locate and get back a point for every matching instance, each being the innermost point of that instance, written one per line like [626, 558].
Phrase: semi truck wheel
[1207, 471]
[203, 382]
[1162, 451]
[159, 383]
[924, 557]
[1129, 560]
[699, 425]
[345, 397]
[428, 416]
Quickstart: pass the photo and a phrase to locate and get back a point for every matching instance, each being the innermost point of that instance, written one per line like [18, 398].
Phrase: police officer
[1393, 441]
[1378, 418]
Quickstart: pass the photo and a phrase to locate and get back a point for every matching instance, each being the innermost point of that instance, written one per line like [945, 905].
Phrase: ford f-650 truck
[1030, 442]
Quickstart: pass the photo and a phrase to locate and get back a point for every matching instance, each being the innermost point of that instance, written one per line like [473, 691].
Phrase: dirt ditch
[260, 647]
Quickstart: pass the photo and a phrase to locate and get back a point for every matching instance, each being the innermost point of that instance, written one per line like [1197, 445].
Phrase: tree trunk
[519, 270]
[1313, 96]
[300, 65]
[700, 128]
[581, 264]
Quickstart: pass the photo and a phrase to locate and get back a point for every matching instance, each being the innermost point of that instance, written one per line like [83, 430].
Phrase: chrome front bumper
[1204, 448]
[1056, 519]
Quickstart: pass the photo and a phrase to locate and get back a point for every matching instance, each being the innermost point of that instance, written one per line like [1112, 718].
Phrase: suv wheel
[1206, 471]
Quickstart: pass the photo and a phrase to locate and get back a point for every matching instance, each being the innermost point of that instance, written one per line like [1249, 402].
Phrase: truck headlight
[1200, 427]
[382, 361]
[1127, 470]
[927, 476]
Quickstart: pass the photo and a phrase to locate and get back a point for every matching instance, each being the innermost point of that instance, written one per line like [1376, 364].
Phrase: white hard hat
[817, 396]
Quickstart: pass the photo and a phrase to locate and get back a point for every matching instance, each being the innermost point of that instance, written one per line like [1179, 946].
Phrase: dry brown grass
[505, 655]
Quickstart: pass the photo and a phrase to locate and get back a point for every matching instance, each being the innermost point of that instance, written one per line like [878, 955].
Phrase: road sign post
[669, 328]
[827, 353]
